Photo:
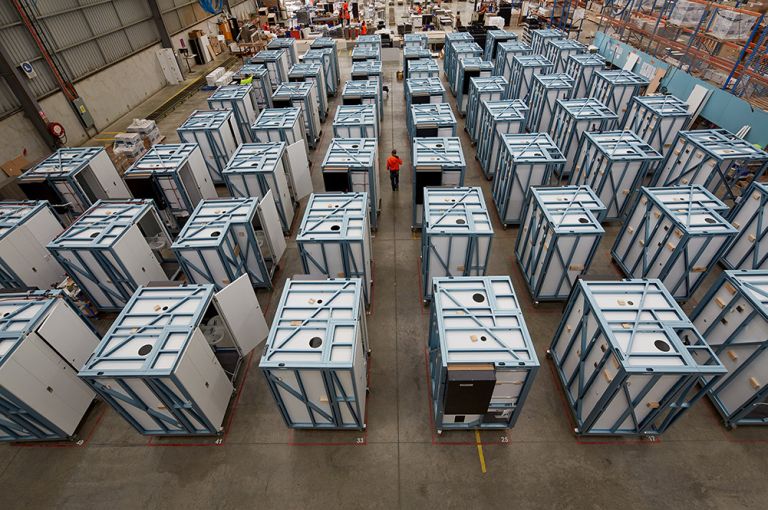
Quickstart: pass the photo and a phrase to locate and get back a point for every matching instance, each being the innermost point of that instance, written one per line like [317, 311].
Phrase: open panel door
[299, 170]
[238, 306]
[270, 222]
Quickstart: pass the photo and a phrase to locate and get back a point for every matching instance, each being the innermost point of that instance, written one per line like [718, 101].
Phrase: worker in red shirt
[393, 165]
[363, 29]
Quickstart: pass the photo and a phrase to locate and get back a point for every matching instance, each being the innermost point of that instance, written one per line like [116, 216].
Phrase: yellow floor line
[480, 450]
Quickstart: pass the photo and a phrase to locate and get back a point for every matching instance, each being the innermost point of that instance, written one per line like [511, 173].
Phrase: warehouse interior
[127, 76]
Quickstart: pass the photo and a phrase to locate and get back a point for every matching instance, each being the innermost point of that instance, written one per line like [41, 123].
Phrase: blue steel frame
[605, 159]
[410, 54]
[209, 123]
[448, 316]
[111, 227]
[279, 119]
[326, 43]
[422, 87]
[696, 217]
[554, 234]
[527, 160]
[493, 88]
[419, 40]
[434, 154]
[498, 118]
[165, 162]
[312, 72]
[616, 88]
[545, 91]
[365, 69]
[607, 327]
[646, 115]
[581, 67]
[460, 50]
[471, 222]
[522, 70]
[285, 43]
[328, 58]
[540, 37]
[742, 287]
[423, 68]
[369, 40]
[234, 97]
[18, 421]
[262, 86]
[226, 246]
[505, 52]
[472, 66]
[364, 89]
[558, 51]
[158, 328]
[271, 60]
[356, 155]
[12, 216]
[363, 53]
[588, 114]
[492, 40]
[449, 61]
[64, 165]
[353, 208]
[431, 116]
[302, 92]
[291, 319]
[733, 161]
[260, 160]
[752, 227]
[363, 117]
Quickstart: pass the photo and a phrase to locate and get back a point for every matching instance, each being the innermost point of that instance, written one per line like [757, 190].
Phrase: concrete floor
[398, 462]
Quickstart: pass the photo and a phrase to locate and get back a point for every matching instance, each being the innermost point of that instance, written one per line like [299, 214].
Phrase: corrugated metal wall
[178, 15]
[86, 35]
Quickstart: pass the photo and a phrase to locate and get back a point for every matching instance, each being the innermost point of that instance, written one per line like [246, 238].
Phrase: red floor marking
[227, 425]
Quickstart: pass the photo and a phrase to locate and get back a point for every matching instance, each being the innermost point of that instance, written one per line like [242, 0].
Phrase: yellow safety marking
[105, 139]
[480, 450]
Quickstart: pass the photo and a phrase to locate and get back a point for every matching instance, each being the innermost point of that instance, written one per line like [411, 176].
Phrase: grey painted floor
[398, 462]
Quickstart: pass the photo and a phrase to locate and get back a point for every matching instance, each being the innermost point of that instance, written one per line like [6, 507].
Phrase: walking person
[393, 165]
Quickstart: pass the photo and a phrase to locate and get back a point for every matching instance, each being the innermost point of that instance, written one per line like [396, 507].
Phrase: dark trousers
[395, 178]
